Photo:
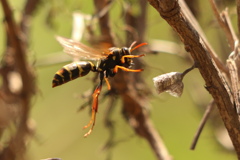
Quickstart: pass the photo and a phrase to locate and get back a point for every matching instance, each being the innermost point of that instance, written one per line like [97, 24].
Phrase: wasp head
[127, 61]
[127, 51]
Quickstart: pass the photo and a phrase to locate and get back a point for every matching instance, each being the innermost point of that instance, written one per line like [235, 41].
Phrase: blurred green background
[59, 130]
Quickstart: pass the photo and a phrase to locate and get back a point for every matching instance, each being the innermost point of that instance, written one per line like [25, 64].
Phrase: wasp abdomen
[72, 71]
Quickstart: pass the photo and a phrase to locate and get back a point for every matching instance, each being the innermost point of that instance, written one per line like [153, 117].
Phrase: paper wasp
[108, 64]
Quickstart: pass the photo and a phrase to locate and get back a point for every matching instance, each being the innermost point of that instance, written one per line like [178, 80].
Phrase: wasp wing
[79, 50]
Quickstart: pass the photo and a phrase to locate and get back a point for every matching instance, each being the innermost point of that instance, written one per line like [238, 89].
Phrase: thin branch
[29, 9]
[234, 83]
[142, 20]
[224, 21]
[238, 16]
[104, 21]
[189, 69]
[202, 124]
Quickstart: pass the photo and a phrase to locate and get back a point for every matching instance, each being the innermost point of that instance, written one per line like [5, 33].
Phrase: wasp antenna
[133, 43]
[141, 44]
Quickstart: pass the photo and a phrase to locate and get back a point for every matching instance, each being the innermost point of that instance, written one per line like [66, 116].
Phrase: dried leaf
[169, 82]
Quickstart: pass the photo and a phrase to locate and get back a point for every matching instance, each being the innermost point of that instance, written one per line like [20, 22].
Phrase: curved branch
[15, 61]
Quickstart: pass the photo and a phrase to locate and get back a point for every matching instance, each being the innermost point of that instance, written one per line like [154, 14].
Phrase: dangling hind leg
[95, 95]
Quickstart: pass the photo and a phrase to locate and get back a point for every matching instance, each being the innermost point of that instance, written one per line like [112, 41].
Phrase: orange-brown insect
[109, 63]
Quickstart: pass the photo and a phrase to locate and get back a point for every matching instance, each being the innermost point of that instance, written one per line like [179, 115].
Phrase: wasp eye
[125, 50]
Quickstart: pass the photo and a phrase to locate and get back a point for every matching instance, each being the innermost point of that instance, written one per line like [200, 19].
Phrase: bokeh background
[58, 125]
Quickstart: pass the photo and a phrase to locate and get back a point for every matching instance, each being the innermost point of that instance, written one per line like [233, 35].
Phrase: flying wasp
[109, 62]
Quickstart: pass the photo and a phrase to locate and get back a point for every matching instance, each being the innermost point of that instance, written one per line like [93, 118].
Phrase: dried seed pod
[169, 82]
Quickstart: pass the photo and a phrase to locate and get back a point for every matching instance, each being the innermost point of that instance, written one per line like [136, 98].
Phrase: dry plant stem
[29, 9]
[136, 24]
[234, 83]
[225, 23]
[202, 124]
[16, 147]
[189, 69]
[232, 37]
[142, 19]
[238, 16]
[216, 85]
[104, 21]
[139, 119]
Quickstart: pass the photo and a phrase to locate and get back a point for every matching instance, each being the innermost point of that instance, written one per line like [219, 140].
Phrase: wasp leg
[107, 82]
[105, 75]
[131, 56]
[115, 70]
[95, 95]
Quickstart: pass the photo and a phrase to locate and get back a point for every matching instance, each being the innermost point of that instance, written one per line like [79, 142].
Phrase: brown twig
[15, 62]
[238, 16]
[29, 9]
[215, 82]
[234, 83]
[202, 124]
[104, 21]
[224, 21]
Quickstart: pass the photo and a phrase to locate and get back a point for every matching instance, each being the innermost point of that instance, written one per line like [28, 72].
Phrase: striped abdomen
[72, 71]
